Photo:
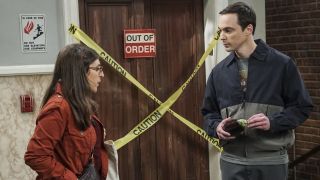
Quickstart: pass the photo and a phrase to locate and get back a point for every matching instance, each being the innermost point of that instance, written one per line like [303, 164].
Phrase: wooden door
[169, 150]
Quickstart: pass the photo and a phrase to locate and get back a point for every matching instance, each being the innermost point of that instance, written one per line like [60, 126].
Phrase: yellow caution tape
[152, 118]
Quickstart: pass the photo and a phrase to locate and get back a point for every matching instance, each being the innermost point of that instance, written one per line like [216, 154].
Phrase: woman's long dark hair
[70, 71]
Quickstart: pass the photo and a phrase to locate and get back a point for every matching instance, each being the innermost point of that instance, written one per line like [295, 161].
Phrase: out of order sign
[139, 43]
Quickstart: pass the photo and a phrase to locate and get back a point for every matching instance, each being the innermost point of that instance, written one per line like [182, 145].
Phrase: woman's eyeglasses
[99, 68]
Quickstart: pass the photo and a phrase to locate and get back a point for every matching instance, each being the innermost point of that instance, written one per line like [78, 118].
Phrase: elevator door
[169, 150]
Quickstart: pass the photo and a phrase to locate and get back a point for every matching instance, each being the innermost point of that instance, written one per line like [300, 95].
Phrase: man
[261, 85]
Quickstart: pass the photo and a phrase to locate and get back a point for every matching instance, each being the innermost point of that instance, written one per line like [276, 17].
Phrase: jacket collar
[58, 90]
[259, 53]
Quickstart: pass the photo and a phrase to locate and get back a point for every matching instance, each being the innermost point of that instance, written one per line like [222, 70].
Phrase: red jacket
[57, 149]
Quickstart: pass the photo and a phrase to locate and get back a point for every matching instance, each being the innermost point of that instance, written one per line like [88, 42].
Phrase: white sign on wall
[33, 33]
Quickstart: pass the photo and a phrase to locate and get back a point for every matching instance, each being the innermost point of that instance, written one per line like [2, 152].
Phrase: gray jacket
[275, 88]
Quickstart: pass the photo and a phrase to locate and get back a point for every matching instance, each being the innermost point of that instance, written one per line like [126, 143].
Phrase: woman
[68, 135]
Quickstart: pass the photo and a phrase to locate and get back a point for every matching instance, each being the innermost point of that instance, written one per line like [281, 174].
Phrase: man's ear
[249, 29]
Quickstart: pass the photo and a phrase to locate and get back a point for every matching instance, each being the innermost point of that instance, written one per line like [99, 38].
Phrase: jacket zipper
[243, 105]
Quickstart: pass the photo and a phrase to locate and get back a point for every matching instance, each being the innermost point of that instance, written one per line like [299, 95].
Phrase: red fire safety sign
[139, 43]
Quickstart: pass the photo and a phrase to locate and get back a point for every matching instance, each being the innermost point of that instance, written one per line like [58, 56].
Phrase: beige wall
[15, 127]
